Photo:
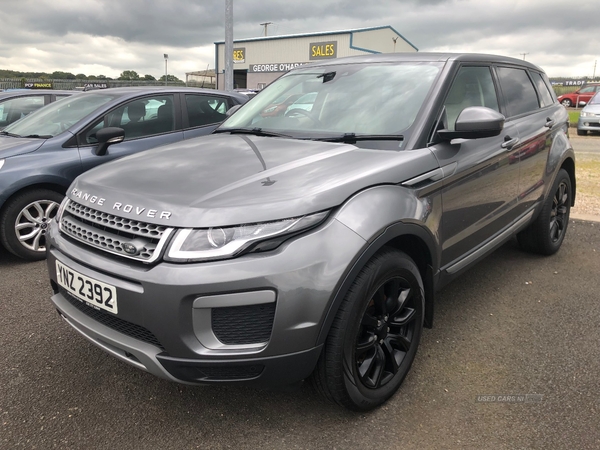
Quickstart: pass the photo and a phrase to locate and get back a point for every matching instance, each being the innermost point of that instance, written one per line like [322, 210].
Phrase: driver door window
[139, 118]
[473, 86]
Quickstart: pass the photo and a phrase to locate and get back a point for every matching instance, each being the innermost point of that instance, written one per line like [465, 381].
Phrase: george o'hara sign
[316, 51]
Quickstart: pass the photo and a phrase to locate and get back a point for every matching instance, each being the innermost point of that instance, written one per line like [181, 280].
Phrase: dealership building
[259, 61]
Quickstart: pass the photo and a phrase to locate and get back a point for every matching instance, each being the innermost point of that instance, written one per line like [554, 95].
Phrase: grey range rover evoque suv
[309, 245]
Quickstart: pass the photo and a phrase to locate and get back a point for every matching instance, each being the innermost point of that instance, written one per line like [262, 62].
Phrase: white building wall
[297, 49]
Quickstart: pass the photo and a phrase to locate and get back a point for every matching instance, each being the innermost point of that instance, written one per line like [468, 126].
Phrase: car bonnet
[227, 179]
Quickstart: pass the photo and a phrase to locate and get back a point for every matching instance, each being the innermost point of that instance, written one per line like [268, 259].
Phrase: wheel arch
[56, 187]
[569, 166]
[412, 239]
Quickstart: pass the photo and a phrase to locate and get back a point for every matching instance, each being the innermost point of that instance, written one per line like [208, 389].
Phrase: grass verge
[573, 117]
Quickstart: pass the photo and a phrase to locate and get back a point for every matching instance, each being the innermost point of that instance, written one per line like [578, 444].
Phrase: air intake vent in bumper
[242, 325]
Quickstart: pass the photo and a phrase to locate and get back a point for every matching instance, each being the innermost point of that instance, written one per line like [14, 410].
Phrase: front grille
[111, 233]
[111, 321]
[241, 325]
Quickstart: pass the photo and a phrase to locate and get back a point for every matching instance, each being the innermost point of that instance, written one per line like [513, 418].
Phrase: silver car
[589, 119]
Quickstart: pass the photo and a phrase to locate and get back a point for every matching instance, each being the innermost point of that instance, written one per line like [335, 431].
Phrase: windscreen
[361, 99]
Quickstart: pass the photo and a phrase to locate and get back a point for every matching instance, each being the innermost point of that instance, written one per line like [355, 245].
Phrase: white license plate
[95, 293]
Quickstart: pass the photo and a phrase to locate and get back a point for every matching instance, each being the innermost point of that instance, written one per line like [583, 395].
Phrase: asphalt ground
[512, 362]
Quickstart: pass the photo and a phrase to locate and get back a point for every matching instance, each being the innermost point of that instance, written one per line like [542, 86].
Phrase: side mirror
[108, 136]
[233, 109]
[475, 122]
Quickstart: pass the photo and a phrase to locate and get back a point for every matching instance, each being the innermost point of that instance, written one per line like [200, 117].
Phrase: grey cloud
[553, 29]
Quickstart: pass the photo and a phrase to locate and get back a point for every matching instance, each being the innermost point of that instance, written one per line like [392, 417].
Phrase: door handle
[549, 122]
[509, 142]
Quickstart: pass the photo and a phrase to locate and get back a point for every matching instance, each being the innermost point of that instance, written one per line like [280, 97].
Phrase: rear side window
[518, 91]
[545, 96]
[205, 109]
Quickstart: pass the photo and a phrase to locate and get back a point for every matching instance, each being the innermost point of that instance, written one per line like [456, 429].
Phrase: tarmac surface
[512, 362]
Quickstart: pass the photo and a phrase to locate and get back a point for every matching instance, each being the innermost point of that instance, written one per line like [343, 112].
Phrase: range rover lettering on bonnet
[122, 207]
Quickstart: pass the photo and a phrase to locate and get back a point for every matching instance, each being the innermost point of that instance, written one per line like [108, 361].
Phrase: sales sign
[322, 50]
[239, 55]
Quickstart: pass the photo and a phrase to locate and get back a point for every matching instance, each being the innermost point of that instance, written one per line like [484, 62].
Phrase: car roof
[134, 91]
[424, 57]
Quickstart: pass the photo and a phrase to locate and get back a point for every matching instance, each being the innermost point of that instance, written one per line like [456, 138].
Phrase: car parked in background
[580, 96]
[310, 245]
[247, 92]
[41, 154]
[589, 118]
[280, 105]
[16, 104]
[305, 103]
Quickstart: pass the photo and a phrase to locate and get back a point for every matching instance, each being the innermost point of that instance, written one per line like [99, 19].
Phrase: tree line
[58, 75]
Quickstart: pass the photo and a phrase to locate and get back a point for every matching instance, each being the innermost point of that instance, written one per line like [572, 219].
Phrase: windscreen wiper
[39, 136]
[6, 133]
[253, 131]
[351, 138]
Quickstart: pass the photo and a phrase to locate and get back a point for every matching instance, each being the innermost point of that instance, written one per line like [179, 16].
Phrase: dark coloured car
[16, 104]
[41, 154]
[310, 245]
[581, 96]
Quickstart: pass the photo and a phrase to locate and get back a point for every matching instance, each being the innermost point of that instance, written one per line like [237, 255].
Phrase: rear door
[530, 107]
[585, 95]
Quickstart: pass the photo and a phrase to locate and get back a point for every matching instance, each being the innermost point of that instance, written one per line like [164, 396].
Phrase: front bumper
[205, 322]
[588, 123]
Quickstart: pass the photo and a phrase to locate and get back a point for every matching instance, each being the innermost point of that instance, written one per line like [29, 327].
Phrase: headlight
[587, 114]
[61, 209]
[1, 163]
[226, 242]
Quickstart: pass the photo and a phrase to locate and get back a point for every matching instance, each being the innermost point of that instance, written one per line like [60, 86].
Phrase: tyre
[374, 337]
[24, 221]
[581, 133]
[546, 234]
[566, 103]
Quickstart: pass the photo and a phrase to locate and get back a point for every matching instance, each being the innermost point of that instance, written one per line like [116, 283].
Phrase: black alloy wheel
[386, 332]
[559, 214]
[374, 337]
[547, 232]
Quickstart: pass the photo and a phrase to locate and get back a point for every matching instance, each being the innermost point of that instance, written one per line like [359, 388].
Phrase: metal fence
[19, 83]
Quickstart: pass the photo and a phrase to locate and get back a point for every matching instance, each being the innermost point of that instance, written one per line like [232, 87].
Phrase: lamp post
[228, 45]
[166, 72]
[266, 24]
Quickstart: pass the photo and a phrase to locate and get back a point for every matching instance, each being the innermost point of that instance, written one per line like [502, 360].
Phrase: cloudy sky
[109, 36]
